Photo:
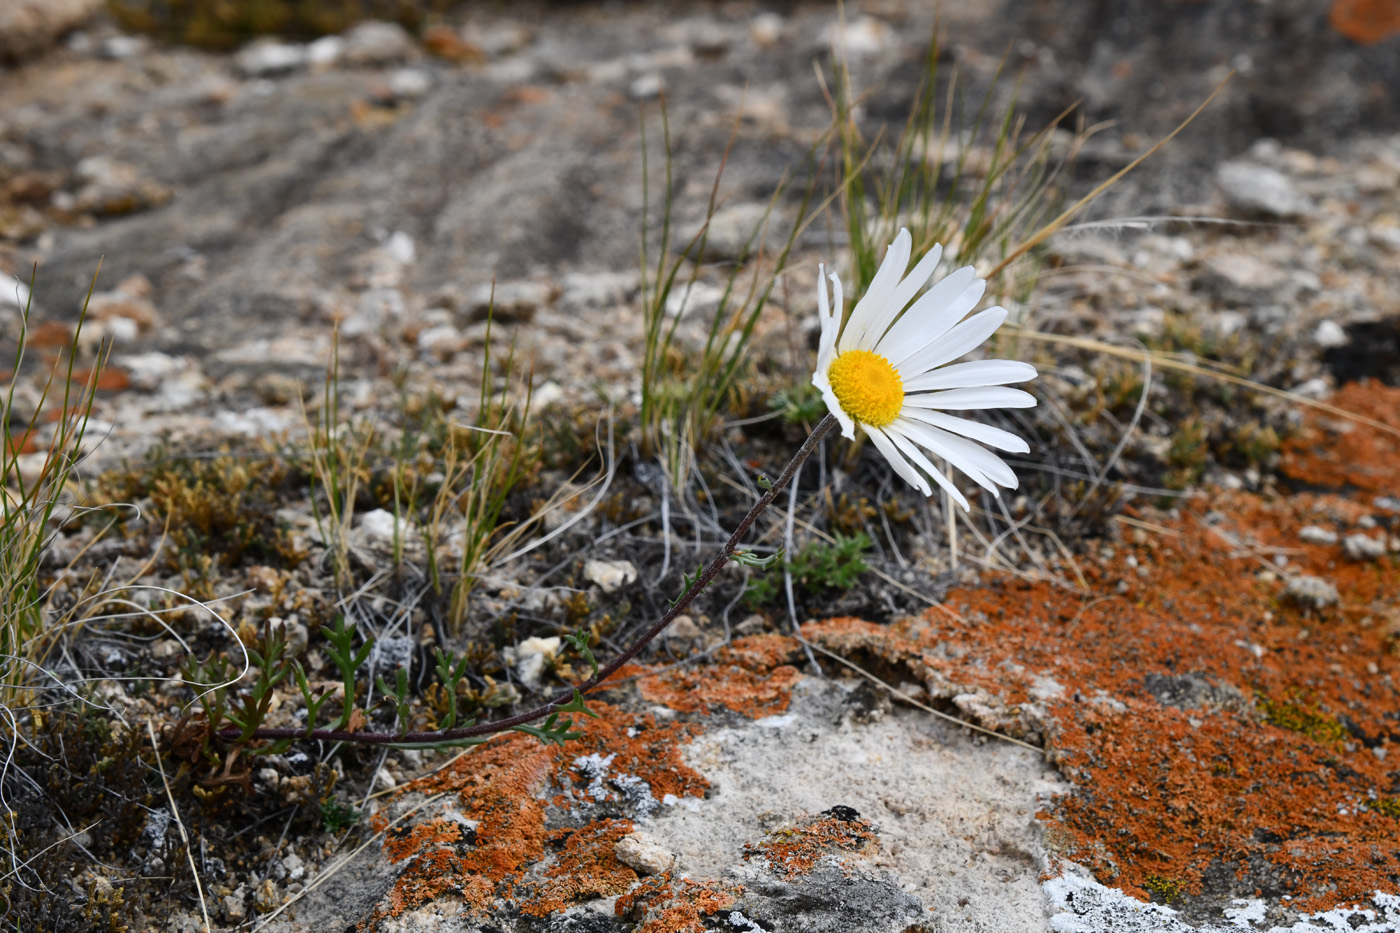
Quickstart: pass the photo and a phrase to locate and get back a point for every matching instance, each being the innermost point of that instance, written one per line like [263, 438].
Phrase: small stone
[442, 342]
[1329, 335]
[1253, 190]
[326, 52]
[401, 248]
[267, 58]
[1243, 279]
[111, 188]
[377, 43]
[863, 36]
[120, 48]
[610, 575]
[234, 907]
[766, 28]
[1311, 592]
[410, 83]
[644, 854]
[13, 292]
[1314, 534]
[683, 627]
[739, 231]
[377, 307]
[508, 302]
[296, 868]
[647, 87]
[380, 529]
[530, 657]
[1361, 547]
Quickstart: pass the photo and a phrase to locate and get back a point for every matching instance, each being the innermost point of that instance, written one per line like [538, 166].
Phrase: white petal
[962, 339]
[913, 453]
[980, 464]
[982, 433]
[833, 405]
[975, 373]
[901, 466]
[929, 318]
[831, 324]
[886, 280]
[970, 398]
[901, 296]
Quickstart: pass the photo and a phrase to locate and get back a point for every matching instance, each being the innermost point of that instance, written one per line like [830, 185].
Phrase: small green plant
[336, 816]
[801, 404]
[816, 567]
[1186, 458]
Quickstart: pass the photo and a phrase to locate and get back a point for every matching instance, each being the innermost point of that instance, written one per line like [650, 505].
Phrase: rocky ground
[1154, 693]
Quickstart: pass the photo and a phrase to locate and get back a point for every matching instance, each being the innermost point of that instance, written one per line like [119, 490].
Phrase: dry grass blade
[1168, 362]
[175, 813]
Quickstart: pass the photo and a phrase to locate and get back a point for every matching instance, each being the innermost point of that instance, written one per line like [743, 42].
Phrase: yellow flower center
[867, 386]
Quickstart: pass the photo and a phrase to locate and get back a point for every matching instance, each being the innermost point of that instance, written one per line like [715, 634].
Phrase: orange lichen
[661, 906]
[503, 789]
[1333, 453]
[752, 677]
[797, 850]
[1366, 21]
[584, 868]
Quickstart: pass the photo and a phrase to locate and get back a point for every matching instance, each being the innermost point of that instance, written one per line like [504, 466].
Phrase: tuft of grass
[980, 192]
[684, 389]
[34, 501]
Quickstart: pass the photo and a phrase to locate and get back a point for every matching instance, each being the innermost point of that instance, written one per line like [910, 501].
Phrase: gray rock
[268, 57]
[1253, 190]
[118, 48]
[1314, 534]
[1329, 335]
[1244, 279]
[741, 230]
[1360, 547]
[826, 901]
[109, 187]
[325, 52]
[410, 83]
[643, 853]
[610, 575]
[1311, 592]
[509, 302]
[377, 307]
[378, 43]
[13, 292]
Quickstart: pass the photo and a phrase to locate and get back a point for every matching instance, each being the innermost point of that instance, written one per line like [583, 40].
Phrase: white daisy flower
[887, 372]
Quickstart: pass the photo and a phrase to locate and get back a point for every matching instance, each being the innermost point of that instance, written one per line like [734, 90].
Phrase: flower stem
[565, 696]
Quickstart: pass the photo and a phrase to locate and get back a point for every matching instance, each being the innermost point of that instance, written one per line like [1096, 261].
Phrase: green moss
[1390, 806]
[1164, 890]
[1298, 716]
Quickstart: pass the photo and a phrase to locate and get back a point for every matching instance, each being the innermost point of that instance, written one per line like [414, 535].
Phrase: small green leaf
[579, 640]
